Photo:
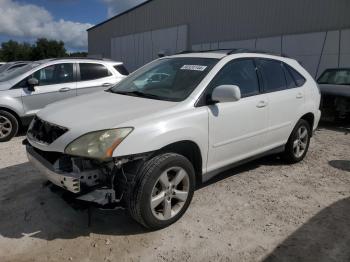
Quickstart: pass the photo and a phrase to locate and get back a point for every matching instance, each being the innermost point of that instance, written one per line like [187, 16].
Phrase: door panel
[283, 111]
[237, 130]
[94, 77]
[86, 87]
[286, 100]
[33, 101]
[56, 82]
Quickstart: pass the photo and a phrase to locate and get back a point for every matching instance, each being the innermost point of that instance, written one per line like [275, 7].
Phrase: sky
[66, 20]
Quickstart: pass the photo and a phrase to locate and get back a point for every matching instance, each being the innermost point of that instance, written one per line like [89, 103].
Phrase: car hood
[337, 90]
[5, 85]
[101, 110]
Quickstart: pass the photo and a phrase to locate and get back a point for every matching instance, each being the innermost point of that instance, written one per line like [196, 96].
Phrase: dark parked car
[335, 89]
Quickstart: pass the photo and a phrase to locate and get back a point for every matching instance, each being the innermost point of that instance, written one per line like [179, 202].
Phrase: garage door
[138, 49]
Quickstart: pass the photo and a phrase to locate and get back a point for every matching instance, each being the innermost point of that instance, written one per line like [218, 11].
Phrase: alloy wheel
[300, 142]
[5, 127]
[170, 193]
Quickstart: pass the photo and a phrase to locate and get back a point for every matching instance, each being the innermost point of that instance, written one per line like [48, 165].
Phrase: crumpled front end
[88, 180]
[71, 173]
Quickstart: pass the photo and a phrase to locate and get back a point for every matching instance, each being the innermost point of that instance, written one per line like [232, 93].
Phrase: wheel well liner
[191, 151]
[309, 117]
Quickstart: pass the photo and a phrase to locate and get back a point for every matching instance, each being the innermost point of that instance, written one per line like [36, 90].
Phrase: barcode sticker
[194, 67]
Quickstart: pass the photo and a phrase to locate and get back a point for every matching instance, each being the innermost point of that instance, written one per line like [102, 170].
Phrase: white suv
[146, 142]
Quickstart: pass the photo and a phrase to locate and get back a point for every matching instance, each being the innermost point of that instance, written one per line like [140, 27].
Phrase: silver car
[23, 92]
[6, 67]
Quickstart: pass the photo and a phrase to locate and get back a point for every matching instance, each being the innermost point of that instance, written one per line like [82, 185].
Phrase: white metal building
[316, 32]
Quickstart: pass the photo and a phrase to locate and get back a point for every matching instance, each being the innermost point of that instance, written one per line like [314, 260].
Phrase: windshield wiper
[137, 94]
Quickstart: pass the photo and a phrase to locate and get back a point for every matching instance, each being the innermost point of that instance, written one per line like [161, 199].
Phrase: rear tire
[8, 126]
[298, 143]
[162, 191]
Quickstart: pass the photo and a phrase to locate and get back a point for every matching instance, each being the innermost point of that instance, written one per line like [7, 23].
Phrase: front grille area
[44, 132]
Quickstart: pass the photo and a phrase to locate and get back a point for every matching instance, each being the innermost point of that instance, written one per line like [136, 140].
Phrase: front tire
[298, 143]
[8, 126]
[162, 191]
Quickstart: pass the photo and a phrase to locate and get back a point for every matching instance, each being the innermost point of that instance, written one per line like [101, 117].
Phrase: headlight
[99, 144]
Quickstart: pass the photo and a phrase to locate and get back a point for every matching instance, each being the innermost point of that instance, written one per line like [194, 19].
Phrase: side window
[273, 75]
[299, 79]
[55, 74]
[241, 73]
[89, 71]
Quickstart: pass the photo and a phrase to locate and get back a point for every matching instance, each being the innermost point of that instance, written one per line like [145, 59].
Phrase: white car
[26, 90]
[147, 147]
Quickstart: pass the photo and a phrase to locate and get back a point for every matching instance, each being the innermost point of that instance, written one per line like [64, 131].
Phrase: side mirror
[32, 83]
[226, 93]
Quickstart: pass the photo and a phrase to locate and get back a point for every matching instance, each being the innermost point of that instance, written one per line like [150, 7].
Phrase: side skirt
[211, 174]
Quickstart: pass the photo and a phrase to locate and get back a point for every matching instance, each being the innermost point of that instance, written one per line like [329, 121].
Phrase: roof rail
[243, 50]
[204, 51]
[235, 51]
[87, 58]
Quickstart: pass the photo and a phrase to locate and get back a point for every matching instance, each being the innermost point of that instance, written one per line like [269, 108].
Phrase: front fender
[12, 100]
[154, 136]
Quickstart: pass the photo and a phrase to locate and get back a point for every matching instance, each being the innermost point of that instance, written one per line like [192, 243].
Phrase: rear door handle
[299, 95]
[106, 84]
[262, 104]
[64, 89]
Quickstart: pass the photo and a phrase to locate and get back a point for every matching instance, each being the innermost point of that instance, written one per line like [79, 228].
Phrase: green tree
[78, 54]
[44, 48]
[12, 51]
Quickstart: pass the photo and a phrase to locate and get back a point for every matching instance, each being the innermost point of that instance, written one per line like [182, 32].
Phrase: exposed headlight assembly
[99, 144]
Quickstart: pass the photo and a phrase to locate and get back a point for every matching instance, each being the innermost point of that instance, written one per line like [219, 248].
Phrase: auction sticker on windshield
[194, 67]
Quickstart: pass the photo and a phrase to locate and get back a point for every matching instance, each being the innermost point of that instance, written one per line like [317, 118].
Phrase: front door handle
[64, 89]
[106, 84]
[261, 104]
[299, 96]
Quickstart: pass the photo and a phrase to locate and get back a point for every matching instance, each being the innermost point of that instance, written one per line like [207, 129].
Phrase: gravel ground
[264, 210]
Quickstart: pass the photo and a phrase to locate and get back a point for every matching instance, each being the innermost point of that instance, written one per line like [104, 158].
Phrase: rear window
[121, 70]
[299, 79]
[90, 71]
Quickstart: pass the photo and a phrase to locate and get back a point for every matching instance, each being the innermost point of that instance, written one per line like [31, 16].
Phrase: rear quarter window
[298, 78]
[121, 70]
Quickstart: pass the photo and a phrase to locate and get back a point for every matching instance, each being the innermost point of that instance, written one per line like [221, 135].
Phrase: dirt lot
[264, 210]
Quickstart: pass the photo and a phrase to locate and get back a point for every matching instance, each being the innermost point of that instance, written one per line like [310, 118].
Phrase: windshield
[171, 79]
[5, 76]
[335, 77]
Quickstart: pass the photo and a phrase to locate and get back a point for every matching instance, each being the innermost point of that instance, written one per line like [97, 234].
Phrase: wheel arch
[310, 118]
[191, 151]
[13, 113]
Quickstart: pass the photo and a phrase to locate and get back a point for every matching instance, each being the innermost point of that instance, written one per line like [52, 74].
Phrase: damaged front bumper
[87, 181]
[68, 181]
